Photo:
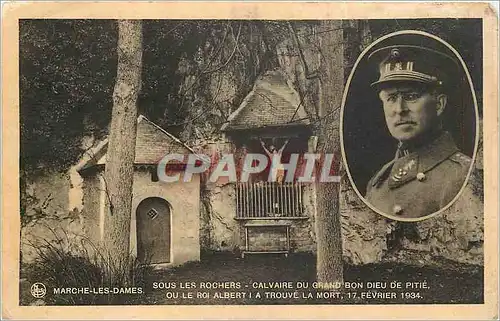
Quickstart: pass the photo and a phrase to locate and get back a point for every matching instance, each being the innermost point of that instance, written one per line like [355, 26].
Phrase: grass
[85, 266]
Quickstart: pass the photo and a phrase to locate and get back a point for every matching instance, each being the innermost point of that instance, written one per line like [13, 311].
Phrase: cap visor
[392, 80]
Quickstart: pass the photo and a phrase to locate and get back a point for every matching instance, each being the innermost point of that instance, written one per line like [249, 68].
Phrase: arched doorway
[153, 230]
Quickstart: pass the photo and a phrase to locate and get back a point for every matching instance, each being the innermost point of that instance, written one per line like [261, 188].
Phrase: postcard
[249, 160]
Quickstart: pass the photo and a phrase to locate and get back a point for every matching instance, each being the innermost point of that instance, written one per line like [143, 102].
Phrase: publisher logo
[38, 290]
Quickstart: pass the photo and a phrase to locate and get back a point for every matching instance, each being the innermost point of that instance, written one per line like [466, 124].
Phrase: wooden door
[153, 230]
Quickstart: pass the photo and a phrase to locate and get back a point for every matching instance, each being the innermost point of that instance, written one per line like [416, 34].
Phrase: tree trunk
[121, 147]
[331, 77]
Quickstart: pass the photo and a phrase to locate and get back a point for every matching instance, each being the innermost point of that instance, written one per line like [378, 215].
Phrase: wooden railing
[269, 200]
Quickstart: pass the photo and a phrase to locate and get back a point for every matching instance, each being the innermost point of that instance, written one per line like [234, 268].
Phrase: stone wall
[221, 231]
[303, 235]
[51, 219]
[93, 194]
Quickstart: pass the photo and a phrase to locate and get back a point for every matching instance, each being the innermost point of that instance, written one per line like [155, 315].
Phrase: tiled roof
[271, 103]
[152, 144]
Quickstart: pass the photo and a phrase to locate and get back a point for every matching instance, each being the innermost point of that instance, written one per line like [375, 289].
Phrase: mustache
[405, 121]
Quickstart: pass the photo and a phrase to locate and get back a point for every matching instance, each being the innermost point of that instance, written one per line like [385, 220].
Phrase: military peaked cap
[407, 62]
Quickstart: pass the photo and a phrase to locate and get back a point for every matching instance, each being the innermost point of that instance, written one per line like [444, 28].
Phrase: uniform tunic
[422, 182]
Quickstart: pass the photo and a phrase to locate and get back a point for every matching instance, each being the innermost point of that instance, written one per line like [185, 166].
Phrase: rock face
[456, 234]
[364, 233]
[220, 232]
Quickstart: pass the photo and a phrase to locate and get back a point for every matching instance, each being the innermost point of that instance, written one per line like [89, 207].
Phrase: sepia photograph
[239, 165]
[428, 104]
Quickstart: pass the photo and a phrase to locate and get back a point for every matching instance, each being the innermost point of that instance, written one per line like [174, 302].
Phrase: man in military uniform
[428, 170]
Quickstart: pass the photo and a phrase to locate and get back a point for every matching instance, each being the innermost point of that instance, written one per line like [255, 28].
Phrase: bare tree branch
[307, 72]
[230, 56]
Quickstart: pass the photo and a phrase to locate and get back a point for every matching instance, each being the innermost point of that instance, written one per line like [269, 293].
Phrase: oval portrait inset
[409, 125]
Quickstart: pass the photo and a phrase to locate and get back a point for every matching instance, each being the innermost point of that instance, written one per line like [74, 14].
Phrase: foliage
[60, 265]
[67, 69]
[198, 72]
[38, 208]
